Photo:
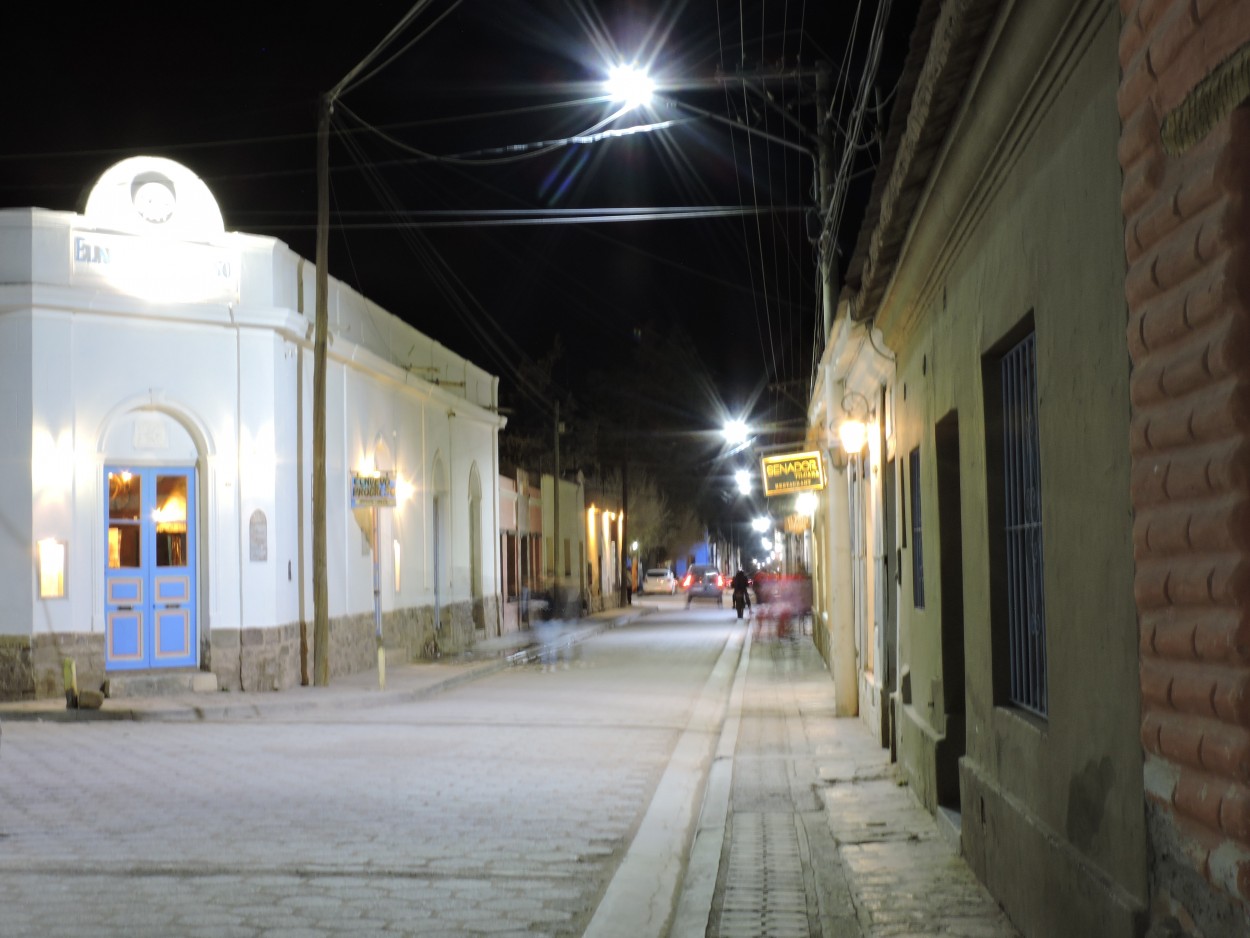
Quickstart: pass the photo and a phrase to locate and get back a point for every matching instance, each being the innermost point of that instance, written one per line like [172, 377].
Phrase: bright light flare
[743, 478]
[761, 524]
[630, 85]
[853, 434]
[735, 432]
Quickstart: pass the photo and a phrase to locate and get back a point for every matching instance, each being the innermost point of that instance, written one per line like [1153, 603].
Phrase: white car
[659, 580]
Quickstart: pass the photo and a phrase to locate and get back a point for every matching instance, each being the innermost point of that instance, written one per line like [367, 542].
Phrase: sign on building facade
[793, 472]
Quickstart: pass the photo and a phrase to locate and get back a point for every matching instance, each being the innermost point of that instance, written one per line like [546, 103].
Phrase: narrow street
[673, 776]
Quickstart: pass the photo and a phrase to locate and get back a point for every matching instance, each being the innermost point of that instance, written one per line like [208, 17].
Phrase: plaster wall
[17, 581]
[83, 362]
[1034, 232]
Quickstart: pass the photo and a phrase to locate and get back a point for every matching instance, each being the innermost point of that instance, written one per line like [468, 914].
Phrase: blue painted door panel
[150, 571]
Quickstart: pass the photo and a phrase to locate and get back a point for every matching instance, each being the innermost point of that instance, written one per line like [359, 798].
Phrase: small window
[917, 543]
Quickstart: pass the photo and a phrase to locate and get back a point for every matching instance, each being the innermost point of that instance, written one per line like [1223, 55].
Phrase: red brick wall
[1187, 238]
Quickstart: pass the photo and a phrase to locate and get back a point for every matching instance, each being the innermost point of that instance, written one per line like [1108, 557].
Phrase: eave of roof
[945, 47]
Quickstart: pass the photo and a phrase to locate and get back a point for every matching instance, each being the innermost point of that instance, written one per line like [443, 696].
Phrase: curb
[238, 707]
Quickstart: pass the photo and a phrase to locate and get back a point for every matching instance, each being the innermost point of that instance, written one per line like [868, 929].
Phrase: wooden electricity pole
[321, 593]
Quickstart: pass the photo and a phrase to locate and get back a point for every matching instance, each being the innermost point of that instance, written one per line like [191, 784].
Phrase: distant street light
[743, 478]
[761, 524]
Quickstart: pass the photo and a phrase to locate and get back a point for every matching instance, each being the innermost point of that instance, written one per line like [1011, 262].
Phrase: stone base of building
[32, 667]
[258, 659]
[1025, 865]
[17, 668]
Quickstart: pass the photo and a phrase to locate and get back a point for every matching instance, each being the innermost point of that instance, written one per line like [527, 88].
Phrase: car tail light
[720, 582]
[685, 583]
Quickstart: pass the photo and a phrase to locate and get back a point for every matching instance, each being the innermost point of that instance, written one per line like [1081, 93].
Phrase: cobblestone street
[502, 807]
[667, 777]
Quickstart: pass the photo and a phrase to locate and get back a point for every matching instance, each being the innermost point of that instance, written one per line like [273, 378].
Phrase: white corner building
[156, 459]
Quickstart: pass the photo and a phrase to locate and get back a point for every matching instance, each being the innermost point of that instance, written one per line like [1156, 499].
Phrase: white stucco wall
[230, 380]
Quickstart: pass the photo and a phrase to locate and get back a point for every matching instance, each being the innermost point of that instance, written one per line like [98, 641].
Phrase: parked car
[703, 581]
[659, 580]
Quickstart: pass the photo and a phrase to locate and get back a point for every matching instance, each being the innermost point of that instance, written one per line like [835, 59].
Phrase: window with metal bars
[1022, 601]
[917, 542]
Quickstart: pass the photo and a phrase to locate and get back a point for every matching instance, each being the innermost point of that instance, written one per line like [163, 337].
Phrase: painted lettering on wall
[155, 268]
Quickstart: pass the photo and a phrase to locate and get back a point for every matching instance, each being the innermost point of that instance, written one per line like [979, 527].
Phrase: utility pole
[827, 247]
[555, 517]
[321, 593]
[632, 573]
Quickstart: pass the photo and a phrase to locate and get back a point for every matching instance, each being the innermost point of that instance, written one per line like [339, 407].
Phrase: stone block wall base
[85, 648]
[256, 659]
[17, 672]
[1025, 864]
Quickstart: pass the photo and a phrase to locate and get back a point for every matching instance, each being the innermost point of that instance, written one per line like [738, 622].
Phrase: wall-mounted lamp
[51, 568]
[853, 431]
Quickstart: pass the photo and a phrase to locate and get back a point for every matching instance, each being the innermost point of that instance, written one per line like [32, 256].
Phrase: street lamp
[743, 478]
[630, 85]
[761, 524]
[735, 432]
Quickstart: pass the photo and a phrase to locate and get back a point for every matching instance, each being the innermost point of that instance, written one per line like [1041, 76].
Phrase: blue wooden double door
[150, 577]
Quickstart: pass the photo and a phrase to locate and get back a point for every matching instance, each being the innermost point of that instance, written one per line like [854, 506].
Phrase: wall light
[51, 568]
[853, 431]
[853, 434]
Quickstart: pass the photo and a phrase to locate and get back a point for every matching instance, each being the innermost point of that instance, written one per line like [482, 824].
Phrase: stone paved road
[502, 807]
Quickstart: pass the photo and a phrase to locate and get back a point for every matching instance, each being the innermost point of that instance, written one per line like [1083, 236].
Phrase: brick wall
[1185, 155]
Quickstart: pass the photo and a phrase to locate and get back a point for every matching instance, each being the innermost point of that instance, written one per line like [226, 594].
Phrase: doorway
[150, 568]
[951, 571]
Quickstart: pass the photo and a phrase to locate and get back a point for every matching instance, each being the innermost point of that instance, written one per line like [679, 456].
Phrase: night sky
[443, 136]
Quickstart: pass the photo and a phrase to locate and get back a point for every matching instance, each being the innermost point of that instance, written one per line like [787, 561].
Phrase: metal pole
[377, 599]
[829, 275]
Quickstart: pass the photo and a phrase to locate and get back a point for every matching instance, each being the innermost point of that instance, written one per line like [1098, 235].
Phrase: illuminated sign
[796, 472]
[373, 490]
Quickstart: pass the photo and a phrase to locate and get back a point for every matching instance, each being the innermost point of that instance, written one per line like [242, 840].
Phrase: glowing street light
[743, 478]
[761, 524]
[735, 432]
[630, 85]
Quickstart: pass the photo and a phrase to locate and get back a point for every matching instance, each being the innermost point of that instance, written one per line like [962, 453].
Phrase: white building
[156, 374]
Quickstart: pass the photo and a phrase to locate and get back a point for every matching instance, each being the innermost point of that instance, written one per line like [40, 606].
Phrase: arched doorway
[150, 484]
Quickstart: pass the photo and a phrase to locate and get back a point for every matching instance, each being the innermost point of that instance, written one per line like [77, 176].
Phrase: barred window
[1021, 484]
[917, 542]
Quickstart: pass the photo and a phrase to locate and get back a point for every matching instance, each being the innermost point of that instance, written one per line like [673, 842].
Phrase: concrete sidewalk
[807, 829]
[404, 682]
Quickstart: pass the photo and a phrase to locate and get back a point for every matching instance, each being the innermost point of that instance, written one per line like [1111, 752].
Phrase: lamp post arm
[739, 125]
